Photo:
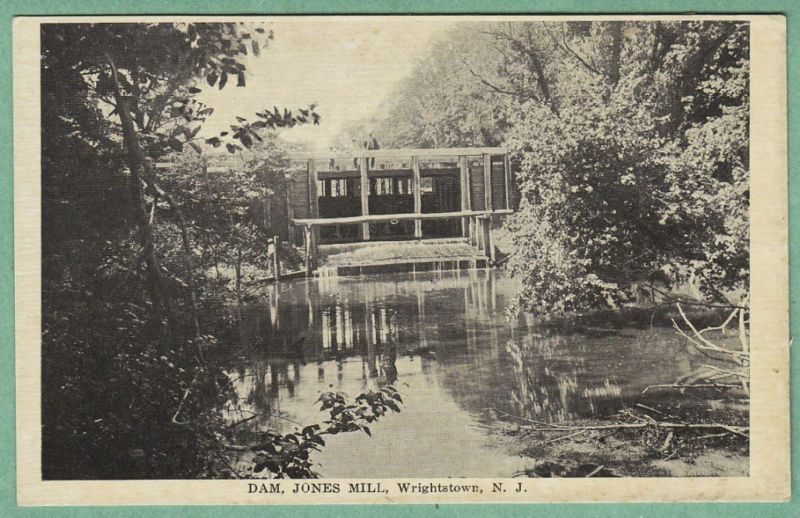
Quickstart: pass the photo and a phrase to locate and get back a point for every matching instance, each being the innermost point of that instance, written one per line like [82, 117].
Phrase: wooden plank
[417, 196]
[476, 186]
[364, 197]
[350, 220]
[338, 174]
[402, 153]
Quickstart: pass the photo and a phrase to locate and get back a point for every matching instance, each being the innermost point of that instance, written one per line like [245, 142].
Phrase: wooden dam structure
[394, 210]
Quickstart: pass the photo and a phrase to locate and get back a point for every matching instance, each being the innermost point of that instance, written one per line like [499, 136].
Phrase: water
[444, 340]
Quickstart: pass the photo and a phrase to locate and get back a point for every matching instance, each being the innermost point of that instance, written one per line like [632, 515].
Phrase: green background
[11, 8]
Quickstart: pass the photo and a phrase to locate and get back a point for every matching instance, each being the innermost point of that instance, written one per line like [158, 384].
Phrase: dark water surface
[444, 341]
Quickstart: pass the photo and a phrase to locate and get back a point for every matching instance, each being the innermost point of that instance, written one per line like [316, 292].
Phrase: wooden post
[417, 196]
[462, 164]
[507, 166]
[307, 245]
[486, 237]
[487, 180]
[473, 234]
[314, 244]
[314, 195]
[290, 211]
[488, 240]
[276, 263]
[364, 197]
[479, 233]
[491, 241]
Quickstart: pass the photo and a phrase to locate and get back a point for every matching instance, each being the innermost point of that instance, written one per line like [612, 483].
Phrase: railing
[474, 214]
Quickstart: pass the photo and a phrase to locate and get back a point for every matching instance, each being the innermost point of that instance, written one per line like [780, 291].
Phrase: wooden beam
[417, 196]
[351, 220]
[364, 197]
[402, 153]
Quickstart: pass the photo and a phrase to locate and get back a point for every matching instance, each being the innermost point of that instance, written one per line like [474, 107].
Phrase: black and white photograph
[411, 253]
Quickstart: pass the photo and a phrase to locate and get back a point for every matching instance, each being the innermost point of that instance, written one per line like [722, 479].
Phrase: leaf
[246, 140]
[366, 430]
[232, 148]
[223, 80]
[194, 90]
[241, 81]
[241, 119]
[256, 49]
[175, 144]
[196, 148]
[259, 30]
[212, 78]
[213, 141]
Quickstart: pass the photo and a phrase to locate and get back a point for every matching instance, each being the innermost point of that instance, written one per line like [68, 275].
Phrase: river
[444, 340]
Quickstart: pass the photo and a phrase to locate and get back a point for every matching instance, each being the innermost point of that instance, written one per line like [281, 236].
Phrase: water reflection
[445, 335]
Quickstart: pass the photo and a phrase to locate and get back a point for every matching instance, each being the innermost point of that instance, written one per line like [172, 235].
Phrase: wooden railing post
[417, 196]
[487, 181]
[488, 239]
[507, 166]
[307, 246]
[313, 192]
[276, 262]
[364, 197]
[486, 236]
[464, 173]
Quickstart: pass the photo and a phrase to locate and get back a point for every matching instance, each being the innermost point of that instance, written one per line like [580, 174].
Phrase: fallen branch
[739, 430]
[532, 421]
[595, 471]
[556, 439]
[183, 399]
[703, 344]
[692, 386]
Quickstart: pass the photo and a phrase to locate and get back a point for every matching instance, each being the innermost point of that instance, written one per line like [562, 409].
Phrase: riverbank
[619, 447]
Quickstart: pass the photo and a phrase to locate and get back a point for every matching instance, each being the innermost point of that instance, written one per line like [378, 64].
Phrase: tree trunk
[136, 163]
[615, 28]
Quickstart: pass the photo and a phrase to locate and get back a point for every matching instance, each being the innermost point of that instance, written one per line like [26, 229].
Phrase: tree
[127, 390]
[147, 74]
[627, 182]
[441, 103]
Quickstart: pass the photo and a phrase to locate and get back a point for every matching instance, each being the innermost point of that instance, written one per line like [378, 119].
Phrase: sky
[347, 67]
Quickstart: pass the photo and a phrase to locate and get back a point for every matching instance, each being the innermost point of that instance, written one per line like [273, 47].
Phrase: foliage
[628, 140]
[128, 318]
[623, 182]
[441, 103]
[287, 455]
